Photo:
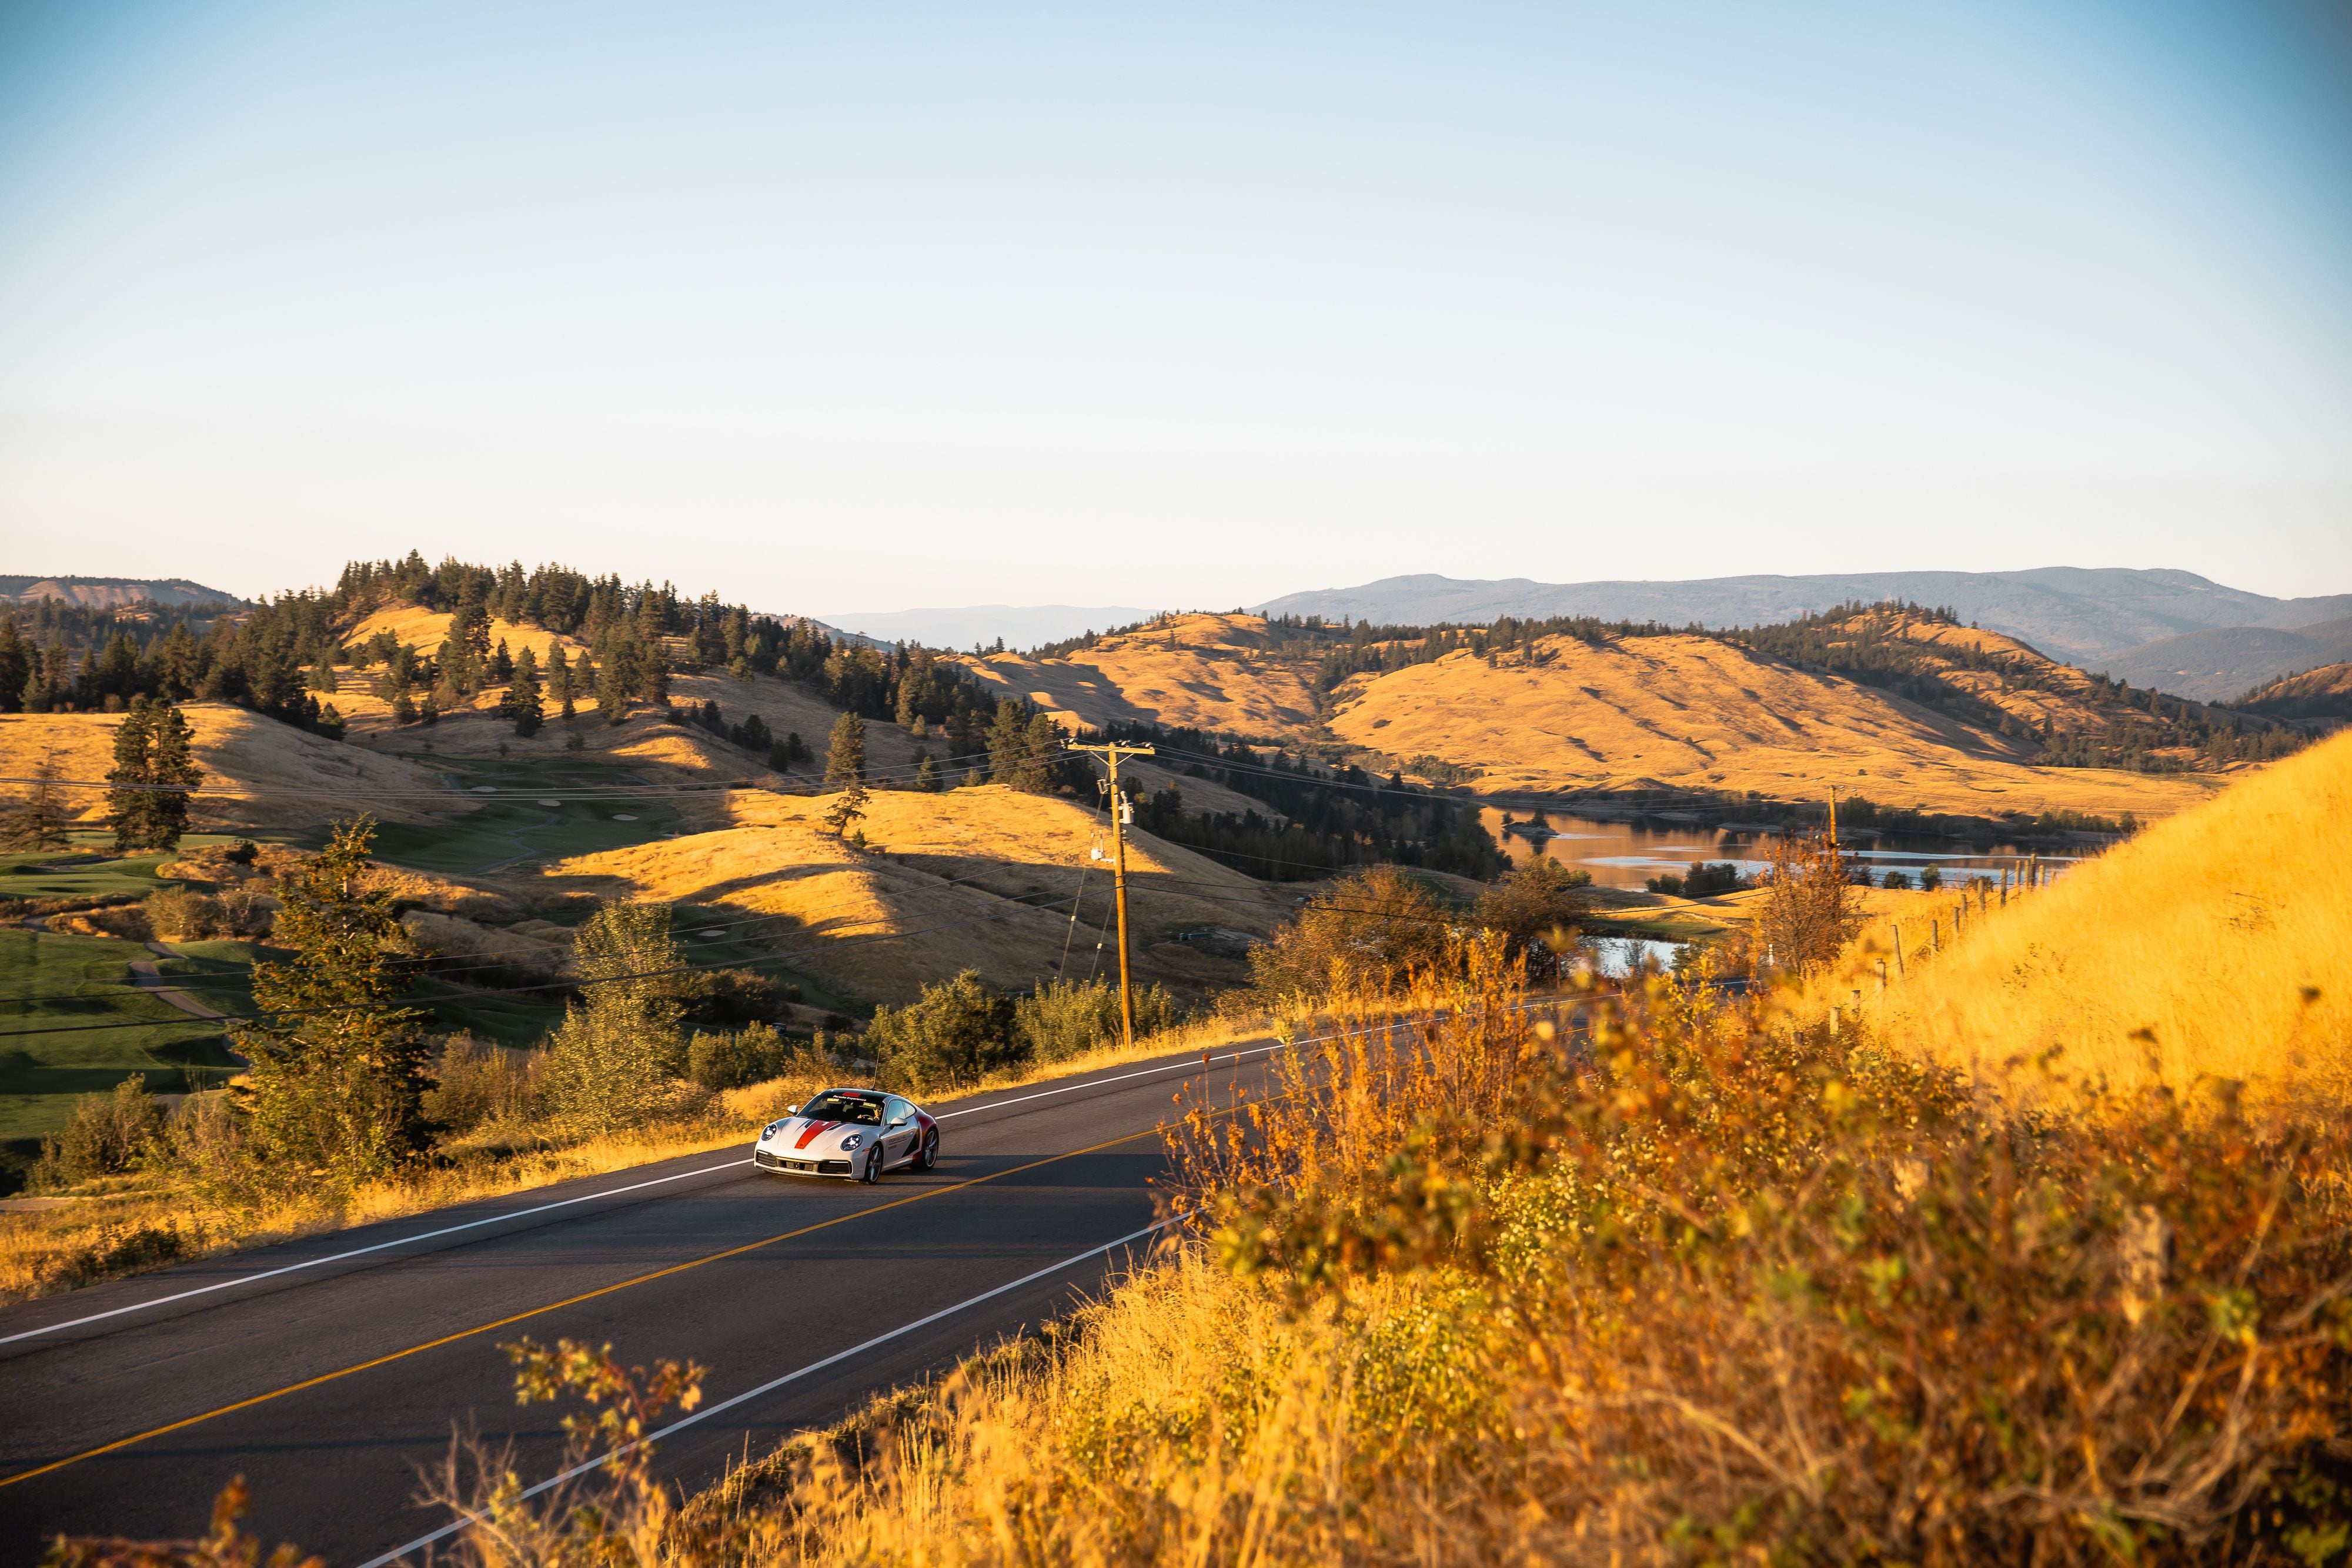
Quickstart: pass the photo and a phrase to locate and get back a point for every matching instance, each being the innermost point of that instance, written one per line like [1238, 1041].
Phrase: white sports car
[854, 1133]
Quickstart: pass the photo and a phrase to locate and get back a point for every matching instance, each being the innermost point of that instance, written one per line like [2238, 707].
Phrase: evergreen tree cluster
[66, 659]
[1866, 643]
[1337, 817]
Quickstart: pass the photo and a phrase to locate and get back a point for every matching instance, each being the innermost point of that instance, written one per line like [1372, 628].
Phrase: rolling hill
[301, 780]
[2321, 693]
[114, 592]
[1677, 711]
[2081, 615]
[2216, 666]
[974, 878]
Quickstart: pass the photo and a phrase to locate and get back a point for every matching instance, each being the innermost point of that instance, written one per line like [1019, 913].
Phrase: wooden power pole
[1118, 813]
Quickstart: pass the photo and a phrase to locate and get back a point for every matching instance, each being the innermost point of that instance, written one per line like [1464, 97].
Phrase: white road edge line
[1097, 1082]
[364, 1252]
[527, 1213]
[608, 1192]
[709, 1411]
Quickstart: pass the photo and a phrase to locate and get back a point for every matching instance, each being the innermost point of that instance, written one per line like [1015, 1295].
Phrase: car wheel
[930, 1155]
[873, 1166]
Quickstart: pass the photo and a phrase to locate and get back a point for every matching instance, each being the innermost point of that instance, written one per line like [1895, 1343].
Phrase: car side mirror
[899, 1122]
[791, 1110]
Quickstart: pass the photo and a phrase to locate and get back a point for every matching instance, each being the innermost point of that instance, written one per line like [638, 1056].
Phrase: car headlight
[852, 1141]
[771, 1129]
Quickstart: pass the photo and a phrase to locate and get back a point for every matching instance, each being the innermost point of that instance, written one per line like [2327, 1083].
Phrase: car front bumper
[795, 1164]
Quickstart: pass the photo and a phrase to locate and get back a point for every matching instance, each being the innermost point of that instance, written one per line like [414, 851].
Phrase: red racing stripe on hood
[812, 1130]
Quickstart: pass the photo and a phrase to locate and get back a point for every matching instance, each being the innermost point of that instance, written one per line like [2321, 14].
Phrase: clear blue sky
[881, 305]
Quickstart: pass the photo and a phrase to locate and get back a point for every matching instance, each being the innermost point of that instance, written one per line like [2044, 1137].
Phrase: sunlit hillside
[2225, 933]
[1639, 713]
[664, 751]
[1227, 672]
[2324, 692]
[306, 779]
[1698, 713]
[976, 877]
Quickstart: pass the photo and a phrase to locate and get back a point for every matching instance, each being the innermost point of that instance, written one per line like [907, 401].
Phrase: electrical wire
[552, 985]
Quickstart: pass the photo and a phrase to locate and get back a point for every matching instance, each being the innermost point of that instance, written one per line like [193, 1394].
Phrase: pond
[1628, 854]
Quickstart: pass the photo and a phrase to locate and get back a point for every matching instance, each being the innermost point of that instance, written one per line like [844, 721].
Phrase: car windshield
[832, 1107]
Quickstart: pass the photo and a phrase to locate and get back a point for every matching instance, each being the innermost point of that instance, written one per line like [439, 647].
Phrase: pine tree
[1008, 744]
[522, 704]
[14, 664]
[845, 769]
[502, 664]
[323, 674]
[41, 823]
[338, 1070]
[154, 770]
[558, 680]
[403, 707]
[926, 773]
[1041, 745]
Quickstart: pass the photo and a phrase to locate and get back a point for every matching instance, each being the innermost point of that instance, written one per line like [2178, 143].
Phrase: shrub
[1062, 1018]
[1367, 931]
[1811, 912]
[734, 1059]
[955, 1033]
[477, 1085]
[107, 1135]
[1931, 877]
[1537, 907]
[612, 1062]
[729, 996]
[184, 915]
[1705, 881]
[1895, 882]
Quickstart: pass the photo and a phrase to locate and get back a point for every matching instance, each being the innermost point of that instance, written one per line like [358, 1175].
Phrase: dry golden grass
[973, 860]
[2224, 933]
[1635, 713]
[1224, 673]
[239, 750]
[1644, 713]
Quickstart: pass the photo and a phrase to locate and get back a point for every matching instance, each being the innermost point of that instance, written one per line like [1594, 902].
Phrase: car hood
[802, 1135]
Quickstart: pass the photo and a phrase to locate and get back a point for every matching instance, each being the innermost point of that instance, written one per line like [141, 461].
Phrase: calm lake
[1628, 854]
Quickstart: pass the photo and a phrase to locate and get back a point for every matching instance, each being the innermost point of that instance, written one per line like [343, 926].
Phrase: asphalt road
[331, 1387]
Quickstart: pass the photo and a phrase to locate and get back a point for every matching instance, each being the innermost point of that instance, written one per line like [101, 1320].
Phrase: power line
[225, 982]
[553, 985]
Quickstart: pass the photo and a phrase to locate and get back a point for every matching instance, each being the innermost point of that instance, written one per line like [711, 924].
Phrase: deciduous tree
[613, 1061]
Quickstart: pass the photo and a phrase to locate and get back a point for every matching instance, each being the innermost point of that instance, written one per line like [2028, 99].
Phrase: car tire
[873, 1166]
[929, 1158]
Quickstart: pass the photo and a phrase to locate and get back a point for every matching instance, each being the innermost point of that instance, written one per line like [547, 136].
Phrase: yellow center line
[557, 1306]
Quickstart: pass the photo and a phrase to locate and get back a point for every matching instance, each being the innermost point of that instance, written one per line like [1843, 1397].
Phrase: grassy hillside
[974, 878]
[304, 779]
[1233, 674]
[1956, 730]
[1694, 712]
[2223, 933]
[659, 749]
[2324, 692]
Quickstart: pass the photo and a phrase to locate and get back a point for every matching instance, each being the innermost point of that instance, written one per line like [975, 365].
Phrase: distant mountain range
[1020, 625]
[110, 592]
[2173, 629]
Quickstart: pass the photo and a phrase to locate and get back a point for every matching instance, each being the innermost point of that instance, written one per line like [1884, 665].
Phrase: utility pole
[1118, 820]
